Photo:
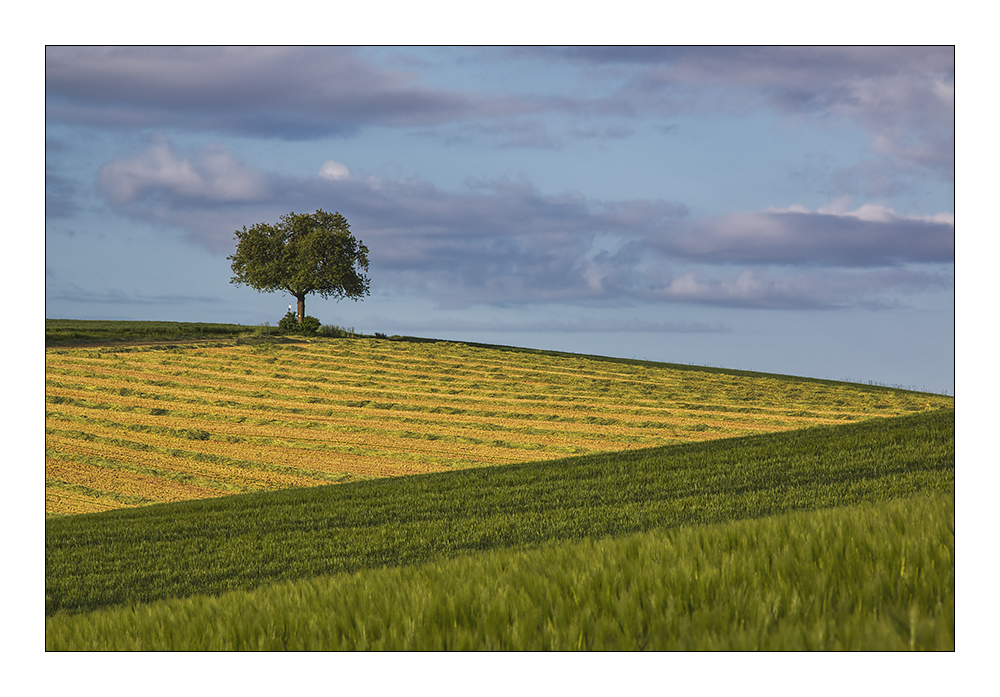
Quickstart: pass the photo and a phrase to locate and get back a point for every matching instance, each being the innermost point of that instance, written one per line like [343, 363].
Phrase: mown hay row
[311, 436]
[150, 488]
[246, 418]
[278, 464]
[619, 419]
[236, 425]
[61, 501]
[270, 391]
[165, 464]
[220, 475]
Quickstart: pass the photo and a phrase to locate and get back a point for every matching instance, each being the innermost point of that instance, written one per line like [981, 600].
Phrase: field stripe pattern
[131, 426]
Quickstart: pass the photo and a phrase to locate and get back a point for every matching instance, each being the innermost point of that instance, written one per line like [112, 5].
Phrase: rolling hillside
[133, 425]
[264, 493]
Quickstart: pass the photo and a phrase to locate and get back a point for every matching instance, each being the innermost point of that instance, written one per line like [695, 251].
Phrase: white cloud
[334, 171]
[210, 174]
[872, 212]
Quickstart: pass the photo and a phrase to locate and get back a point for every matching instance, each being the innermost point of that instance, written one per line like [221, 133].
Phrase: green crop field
[876, 577]
[256, 492]
[74, 331]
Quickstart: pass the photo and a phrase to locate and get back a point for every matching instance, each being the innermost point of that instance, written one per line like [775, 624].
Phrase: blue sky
[786, 210]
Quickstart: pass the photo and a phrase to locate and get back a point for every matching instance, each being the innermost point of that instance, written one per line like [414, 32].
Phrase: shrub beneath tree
[289, 324]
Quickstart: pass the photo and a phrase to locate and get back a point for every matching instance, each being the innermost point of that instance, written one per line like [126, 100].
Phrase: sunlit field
[133, 425]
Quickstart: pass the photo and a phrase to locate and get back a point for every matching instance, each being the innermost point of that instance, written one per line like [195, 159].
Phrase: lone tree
[300, 255]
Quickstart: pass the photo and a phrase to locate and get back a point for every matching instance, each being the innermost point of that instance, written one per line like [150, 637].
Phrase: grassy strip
[64, 332]
[243, 541]
[873, 578]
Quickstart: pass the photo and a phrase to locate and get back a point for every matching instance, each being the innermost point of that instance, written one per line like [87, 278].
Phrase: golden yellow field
[130, 426]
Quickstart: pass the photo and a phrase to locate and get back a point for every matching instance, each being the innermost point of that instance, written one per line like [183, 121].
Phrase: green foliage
[245, 541]
[302, 254]
[309, 325]
[289, 324]
[879, 577]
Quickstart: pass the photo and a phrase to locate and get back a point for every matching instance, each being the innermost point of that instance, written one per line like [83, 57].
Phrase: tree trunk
[302, 306]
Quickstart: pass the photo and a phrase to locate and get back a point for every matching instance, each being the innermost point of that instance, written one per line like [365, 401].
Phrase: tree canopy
[302, 254]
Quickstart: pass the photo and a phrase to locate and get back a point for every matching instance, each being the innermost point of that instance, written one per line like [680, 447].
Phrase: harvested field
[135, 425]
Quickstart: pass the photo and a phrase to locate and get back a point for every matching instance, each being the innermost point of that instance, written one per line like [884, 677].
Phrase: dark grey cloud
[291, 93]
[871, 236]
[903, 96]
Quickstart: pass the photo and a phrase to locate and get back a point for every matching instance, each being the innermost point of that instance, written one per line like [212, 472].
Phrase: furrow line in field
[301, 472]
[364, 457]
[306, 370]
[517, 409]
[128, 487]
[115, 498]
[556, 383]
[171, 464]
[67, 501]
[384, 389]
[435, 447]
[184, 477]
[456, 359]
[480, 428]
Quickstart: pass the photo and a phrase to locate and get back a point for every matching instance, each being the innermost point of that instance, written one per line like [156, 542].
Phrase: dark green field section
[874, 577]
[246, 541]
[69, 332]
